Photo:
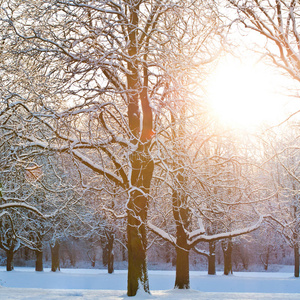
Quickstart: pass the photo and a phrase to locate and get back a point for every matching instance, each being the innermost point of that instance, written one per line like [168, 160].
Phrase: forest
[110, 149]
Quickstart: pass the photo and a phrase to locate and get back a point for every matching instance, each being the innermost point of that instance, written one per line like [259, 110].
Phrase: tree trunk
[267, 259]
[110, 265]
[124, 253]
[296, 255]
[26, 253]
[110, 253]
[93, 261]
[227, 252]
[104, 256]
[212, 259]
[39, 261]
[137, 208]
[55, 256]
[181, 216]
[182, 280]
[71, 253]
[168, 252]
[141, 162]
[9, 260]
[137, 245]
[141, 128]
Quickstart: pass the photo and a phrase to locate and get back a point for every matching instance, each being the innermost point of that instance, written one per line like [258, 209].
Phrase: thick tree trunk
[181, 216]
[55, 256]
[137, 245]
[182, 280]
[39, 254]
[9, 260]
[137, 208]
[296, 255]
[39, 261]
[110, 266]
[227, 252]
[212, 259]
[104, 255]
[141, 162]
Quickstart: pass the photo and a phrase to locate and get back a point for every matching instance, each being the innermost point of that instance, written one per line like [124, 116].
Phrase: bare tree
[282, 165]
[277, 23]
[206, 189]
[97, 72]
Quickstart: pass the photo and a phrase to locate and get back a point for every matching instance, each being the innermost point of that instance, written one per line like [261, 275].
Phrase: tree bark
[141, 162]
[93, 261]
[227, 252]
[137, 245]
[212, 259]
[104, 255]
[110, 253]
[137, 208]
[181, 216]
[39, 261]
[182, 280]
[9, 260]
[55, 256]
[124, 253]
[296, 255]
[266, 261]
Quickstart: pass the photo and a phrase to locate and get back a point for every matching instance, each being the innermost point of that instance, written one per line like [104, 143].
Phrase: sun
[244, 94]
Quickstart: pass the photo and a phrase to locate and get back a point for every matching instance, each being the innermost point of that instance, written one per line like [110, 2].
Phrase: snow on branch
[21, 205]
[27, 242]
[199, 231]
[201, 252]
[96, 167]
[28, 207]
[194, 234]
[195, 239]
[98, 8]
[163, 234]
[112, 212]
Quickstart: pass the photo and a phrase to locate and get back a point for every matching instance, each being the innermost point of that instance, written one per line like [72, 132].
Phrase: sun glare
[244, 95]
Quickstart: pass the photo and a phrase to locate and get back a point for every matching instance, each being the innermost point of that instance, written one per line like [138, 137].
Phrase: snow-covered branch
[21, 205]
[210, 238]
[163, 234]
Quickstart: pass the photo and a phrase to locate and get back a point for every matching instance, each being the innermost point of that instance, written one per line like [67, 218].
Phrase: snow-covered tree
[98, 71]
[207, 196]
[282, 165]
[277, 24]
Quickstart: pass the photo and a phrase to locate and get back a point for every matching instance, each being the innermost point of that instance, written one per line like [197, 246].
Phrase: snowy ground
[25, 283]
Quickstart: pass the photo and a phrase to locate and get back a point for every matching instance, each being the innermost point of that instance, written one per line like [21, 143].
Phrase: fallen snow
[25, 283]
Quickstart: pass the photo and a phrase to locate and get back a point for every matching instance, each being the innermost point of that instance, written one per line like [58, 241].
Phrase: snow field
[25, 283]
